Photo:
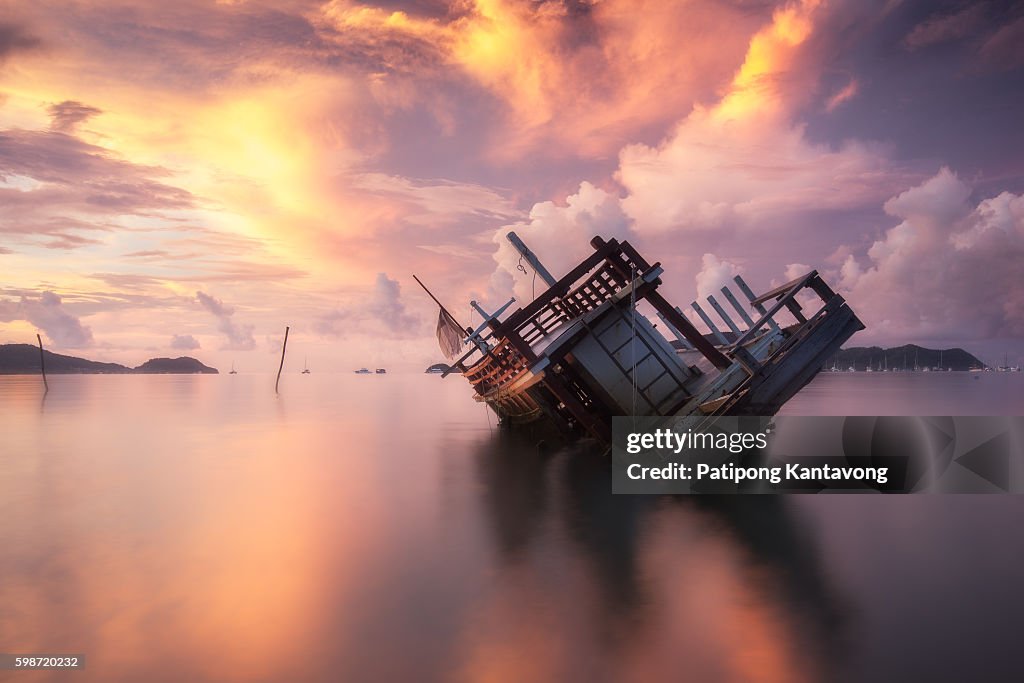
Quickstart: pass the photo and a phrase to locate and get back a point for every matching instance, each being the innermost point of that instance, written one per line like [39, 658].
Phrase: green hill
[906, 357]
[23, 359]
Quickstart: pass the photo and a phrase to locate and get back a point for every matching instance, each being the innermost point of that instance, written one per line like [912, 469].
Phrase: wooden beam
[42, 362]
[711, 325]
[736, 306]
[680, 321]
[784, 300]
[781, 290]
[559, 386]
[678, 335]
[284, 347]
[750, 297]
[661, 305]
[723, 315]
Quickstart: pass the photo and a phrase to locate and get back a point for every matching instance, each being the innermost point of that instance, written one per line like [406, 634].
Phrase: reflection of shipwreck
[581, 353]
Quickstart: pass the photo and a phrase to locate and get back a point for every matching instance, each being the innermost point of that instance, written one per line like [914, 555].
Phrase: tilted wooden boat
[580, 353]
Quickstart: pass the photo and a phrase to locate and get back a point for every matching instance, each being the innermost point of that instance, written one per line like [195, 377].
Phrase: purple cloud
[239, 337]
[47, 312]
[949, 270]
[184, 342]
[14, 38]
[67, 115]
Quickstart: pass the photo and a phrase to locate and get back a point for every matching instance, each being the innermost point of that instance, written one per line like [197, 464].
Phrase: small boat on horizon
[381, 371]
[363, 371]
[305, 367]
[233, 371]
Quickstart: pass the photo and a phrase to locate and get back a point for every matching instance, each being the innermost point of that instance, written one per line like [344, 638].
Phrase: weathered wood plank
[711, 325]
[723, 315]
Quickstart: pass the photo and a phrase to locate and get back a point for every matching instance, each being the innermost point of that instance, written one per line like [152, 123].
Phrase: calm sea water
[377, 528]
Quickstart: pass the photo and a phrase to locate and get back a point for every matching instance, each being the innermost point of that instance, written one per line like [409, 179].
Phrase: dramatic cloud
[47, 312]
[185, 342]
[285, 154]
[744, 162]
[948, 270]
[575, 77]
[239, 337]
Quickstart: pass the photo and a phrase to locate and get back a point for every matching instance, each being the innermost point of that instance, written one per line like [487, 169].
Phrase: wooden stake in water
[284, 347]
[42, 362]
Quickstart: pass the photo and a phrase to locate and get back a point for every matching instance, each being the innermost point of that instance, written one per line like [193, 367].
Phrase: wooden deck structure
[581, 352]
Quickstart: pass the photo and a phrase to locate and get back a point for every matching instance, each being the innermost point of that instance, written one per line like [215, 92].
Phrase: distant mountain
[23, 359]
[174, 366]
[907, 356]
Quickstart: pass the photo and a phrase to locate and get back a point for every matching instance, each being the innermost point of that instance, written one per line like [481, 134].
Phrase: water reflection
[721, 588]
[374, 528]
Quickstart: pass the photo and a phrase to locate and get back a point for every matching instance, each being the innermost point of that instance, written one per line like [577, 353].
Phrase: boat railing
[500, 365]
[785, 298]
[599, 286]
[595, 280]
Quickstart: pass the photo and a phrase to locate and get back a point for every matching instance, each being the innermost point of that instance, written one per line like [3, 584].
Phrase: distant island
[23, 359]
[906, 357]
[183, 365]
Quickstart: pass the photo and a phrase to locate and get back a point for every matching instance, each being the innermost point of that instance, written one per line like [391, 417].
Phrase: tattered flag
[449, 335]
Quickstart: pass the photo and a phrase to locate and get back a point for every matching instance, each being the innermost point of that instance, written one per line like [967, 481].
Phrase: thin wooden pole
[437, 302]
[284, 347]
[42, 362]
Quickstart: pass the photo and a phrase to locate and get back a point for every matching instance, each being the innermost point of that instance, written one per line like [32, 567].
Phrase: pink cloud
[949, 270]
[47, 312]
[845, 94]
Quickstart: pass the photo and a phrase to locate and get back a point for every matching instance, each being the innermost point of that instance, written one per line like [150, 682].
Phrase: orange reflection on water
[193, 544]
[715, 616]
[202, 529]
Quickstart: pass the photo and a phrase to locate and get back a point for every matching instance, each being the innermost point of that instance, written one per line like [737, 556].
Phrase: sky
[188, 178]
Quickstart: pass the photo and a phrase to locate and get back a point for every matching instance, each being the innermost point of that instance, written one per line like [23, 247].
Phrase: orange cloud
[578, 81]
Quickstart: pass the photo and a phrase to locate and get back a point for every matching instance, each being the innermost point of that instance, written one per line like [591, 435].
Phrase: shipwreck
[581, 352]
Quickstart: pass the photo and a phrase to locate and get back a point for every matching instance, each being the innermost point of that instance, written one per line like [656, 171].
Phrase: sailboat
[305, 366]
[233, 371]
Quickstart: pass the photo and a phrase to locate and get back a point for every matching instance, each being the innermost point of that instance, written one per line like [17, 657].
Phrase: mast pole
[532, 259]
[437, 302]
